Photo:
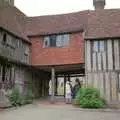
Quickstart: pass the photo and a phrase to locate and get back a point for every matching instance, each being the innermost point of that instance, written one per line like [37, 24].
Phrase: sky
[50, 7]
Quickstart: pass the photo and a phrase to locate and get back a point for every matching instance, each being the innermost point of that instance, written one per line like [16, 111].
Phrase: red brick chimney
[99, 4]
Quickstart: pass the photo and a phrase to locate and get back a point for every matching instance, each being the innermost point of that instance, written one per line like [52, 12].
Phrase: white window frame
[60, 41]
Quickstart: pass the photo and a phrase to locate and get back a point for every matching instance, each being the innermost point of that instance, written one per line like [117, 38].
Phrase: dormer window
[56, 40]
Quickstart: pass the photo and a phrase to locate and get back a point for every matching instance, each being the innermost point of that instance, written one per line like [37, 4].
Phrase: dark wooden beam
[53, 84]
[81, 71]
[65, 79]
[56, 84]
[77, 75]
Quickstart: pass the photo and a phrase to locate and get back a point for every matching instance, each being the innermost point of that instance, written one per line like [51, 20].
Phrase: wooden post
[53, 84]
[69, 78]
[65, 79]
[56, 85]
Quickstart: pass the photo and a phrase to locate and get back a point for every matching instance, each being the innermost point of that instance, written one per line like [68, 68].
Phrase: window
[56, 40]
[53, 39]
[46, 42]
[118, 81]
[26, 53]
[98, 46]
[4, 38]
[59, 41]
[27, 50]
[95, 46]
[101, 46]
[26, 58]
[11, 41]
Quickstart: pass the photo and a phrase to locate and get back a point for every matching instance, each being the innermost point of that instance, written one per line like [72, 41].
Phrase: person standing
[76, 87]
[68, 96]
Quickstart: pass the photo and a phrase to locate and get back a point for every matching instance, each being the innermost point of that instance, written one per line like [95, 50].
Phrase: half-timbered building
[42, 48]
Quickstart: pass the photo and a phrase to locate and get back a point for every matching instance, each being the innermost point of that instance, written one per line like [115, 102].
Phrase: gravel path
[56, 112]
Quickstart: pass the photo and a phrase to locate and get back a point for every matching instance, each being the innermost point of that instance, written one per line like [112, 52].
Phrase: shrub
[77, 98]
[28, 98]
[89, 98]
[16, 98]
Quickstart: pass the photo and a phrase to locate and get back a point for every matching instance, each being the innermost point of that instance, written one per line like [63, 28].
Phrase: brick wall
[72, 54]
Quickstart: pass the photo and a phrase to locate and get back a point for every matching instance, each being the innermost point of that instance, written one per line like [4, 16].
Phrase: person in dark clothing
[76, 87]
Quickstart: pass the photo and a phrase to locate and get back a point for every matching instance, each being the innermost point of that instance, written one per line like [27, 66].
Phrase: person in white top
[68, 96]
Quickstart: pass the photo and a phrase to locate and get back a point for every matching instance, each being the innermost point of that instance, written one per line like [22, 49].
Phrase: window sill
[57, 46]
[98, 52]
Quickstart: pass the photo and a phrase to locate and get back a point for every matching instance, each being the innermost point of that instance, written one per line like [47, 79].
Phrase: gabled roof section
[103, 24]
[13, 20]
[53, 24]
[96, 24]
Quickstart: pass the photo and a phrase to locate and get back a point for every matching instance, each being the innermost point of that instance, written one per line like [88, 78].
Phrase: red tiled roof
[13, 20]
[96, 24]
[51, 24]
[103, 24]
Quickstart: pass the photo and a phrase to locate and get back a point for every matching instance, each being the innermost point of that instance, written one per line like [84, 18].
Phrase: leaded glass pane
[101, 46]
[59, 41]
[95, 46]
[46, 42]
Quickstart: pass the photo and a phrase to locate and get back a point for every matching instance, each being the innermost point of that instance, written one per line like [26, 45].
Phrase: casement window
[26, 53]
[118, 83]
[53, 39]
[9, 40]
[27, 50]
[98, 46]
[56, 40]
[4, 38]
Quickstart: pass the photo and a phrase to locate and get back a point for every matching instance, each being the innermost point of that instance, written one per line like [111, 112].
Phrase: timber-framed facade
[42, 48]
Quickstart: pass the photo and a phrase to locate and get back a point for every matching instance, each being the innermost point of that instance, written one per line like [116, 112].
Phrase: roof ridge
[77, 12]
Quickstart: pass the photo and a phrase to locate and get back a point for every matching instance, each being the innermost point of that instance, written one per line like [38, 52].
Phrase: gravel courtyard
[56, 112]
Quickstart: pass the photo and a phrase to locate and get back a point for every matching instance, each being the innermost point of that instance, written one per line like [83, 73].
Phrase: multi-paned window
[26, 53]
[56, 40]
[9, 40]
[98, 46]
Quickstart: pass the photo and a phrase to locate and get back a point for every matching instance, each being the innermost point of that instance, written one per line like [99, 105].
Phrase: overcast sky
[45, 7]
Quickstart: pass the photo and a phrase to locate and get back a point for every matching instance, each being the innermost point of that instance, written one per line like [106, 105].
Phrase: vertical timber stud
[56, 82]
[53, 84]
[69, 78]
[65, 79]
